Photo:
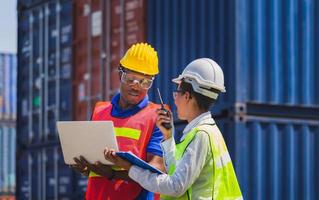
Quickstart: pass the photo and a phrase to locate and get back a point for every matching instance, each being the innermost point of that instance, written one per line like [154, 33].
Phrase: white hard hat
[203, 74]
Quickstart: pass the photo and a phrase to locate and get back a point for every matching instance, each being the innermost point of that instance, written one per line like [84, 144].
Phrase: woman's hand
[110, 155]
[164, 116]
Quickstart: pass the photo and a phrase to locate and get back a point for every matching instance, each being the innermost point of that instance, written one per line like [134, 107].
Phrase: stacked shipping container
[103, 30]
[270, 100]
[44, 175]
[269, 114]
[266, 60]
[44, 71]
[275, 158]
[44, 96]
[8, 78]
[7, 158]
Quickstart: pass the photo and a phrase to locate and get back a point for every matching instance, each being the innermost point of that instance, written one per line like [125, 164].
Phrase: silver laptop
[86, 138]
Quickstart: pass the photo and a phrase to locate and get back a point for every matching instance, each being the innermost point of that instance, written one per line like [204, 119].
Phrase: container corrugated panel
[7, 159]
[13, 87]
[44, 175]
[267, 49]
[2, 158]
[12, 160]
[30, 70]
[23, 86]
[81, 185]
[29, 176]
[8, 78]
[103, 30]
[2, 87]
[274, 158]
[44, 71]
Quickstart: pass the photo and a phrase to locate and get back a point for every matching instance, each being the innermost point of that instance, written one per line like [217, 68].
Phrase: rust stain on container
[7, 197]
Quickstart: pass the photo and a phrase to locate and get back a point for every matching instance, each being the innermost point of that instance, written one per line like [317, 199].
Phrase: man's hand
[80, 166]
[111, 156]
[103, 170]
[84, 167]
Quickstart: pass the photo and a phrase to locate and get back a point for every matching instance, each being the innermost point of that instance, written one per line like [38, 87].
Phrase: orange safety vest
[133, 134]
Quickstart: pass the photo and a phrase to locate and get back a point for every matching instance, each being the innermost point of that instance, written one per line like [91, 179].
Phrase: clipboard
[129, 156]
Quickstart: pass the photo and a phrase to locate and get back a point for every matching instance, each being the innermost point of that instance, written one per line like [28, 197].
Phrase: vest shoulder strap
[99, 107]
[154, 106]
[182, 146]
[102, 104]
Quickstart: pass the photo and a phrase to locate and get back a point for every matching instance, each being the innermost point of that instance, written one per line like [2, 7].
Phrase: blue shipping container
[44, 175]
[8, 82]
[7, 158]
[44, 71]
[274, 158]
[267, 49]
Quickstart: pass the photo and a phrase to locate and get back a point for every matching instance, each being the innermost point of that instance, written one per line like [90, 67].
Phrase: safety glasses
[132, 79]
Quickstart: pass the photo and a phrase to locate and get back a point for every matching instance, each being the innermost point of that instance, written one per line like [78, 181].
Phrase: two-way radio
[166, 125]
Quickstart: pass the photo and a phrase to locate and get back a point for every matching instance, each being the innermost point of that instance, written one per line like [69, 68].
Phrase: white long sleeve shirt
[194, 169]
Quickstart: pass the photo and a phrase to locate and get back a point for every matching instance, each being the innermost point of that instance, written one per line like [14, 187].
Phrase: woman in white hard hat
[198, 165]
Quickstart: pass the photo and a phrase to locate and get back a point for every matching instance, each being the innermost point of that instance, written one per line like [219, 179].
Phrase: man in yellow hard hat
[134, 118]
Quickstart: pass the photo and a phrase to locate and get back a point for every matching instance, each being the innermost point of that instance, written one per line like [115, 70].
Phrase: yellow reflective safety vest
[223, 179]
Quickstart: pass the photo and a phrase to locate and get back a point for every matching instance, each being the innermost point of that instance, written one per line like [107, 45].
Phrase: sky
[8, 26]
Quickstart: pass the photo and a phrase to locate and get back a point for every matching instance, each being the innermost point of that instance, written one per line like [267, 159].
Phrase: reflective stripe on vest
[122, 132]
[224, 181]
[128, 133]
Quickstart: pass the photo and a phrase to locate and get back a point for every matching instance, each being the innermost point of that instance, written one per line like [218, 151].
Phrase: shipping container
[44, 71]
[44, 175]
[7, 158]
[268, 62]
[8, 81]
[102, 31]
[267, 49]
[274, 158]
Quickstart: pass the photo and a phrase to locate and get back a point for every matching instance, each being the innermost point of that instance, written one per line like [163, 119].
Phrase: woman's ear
[187, 96]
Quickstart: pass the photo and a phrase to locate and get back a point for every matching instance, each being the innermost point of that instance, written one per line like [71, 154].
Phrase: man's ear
[120, 74]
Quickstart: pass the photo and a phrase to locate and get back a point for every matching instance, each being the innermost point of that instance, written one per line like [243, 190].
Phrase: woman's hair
[203, 102]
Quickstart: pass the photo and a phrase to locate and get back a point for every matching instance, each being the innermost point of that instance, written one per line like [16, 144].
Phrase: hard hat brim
[177, 80]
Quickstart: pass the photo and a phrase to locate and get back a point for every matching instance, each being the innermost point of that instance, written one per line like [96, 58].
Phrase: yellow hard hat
[141, 57]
